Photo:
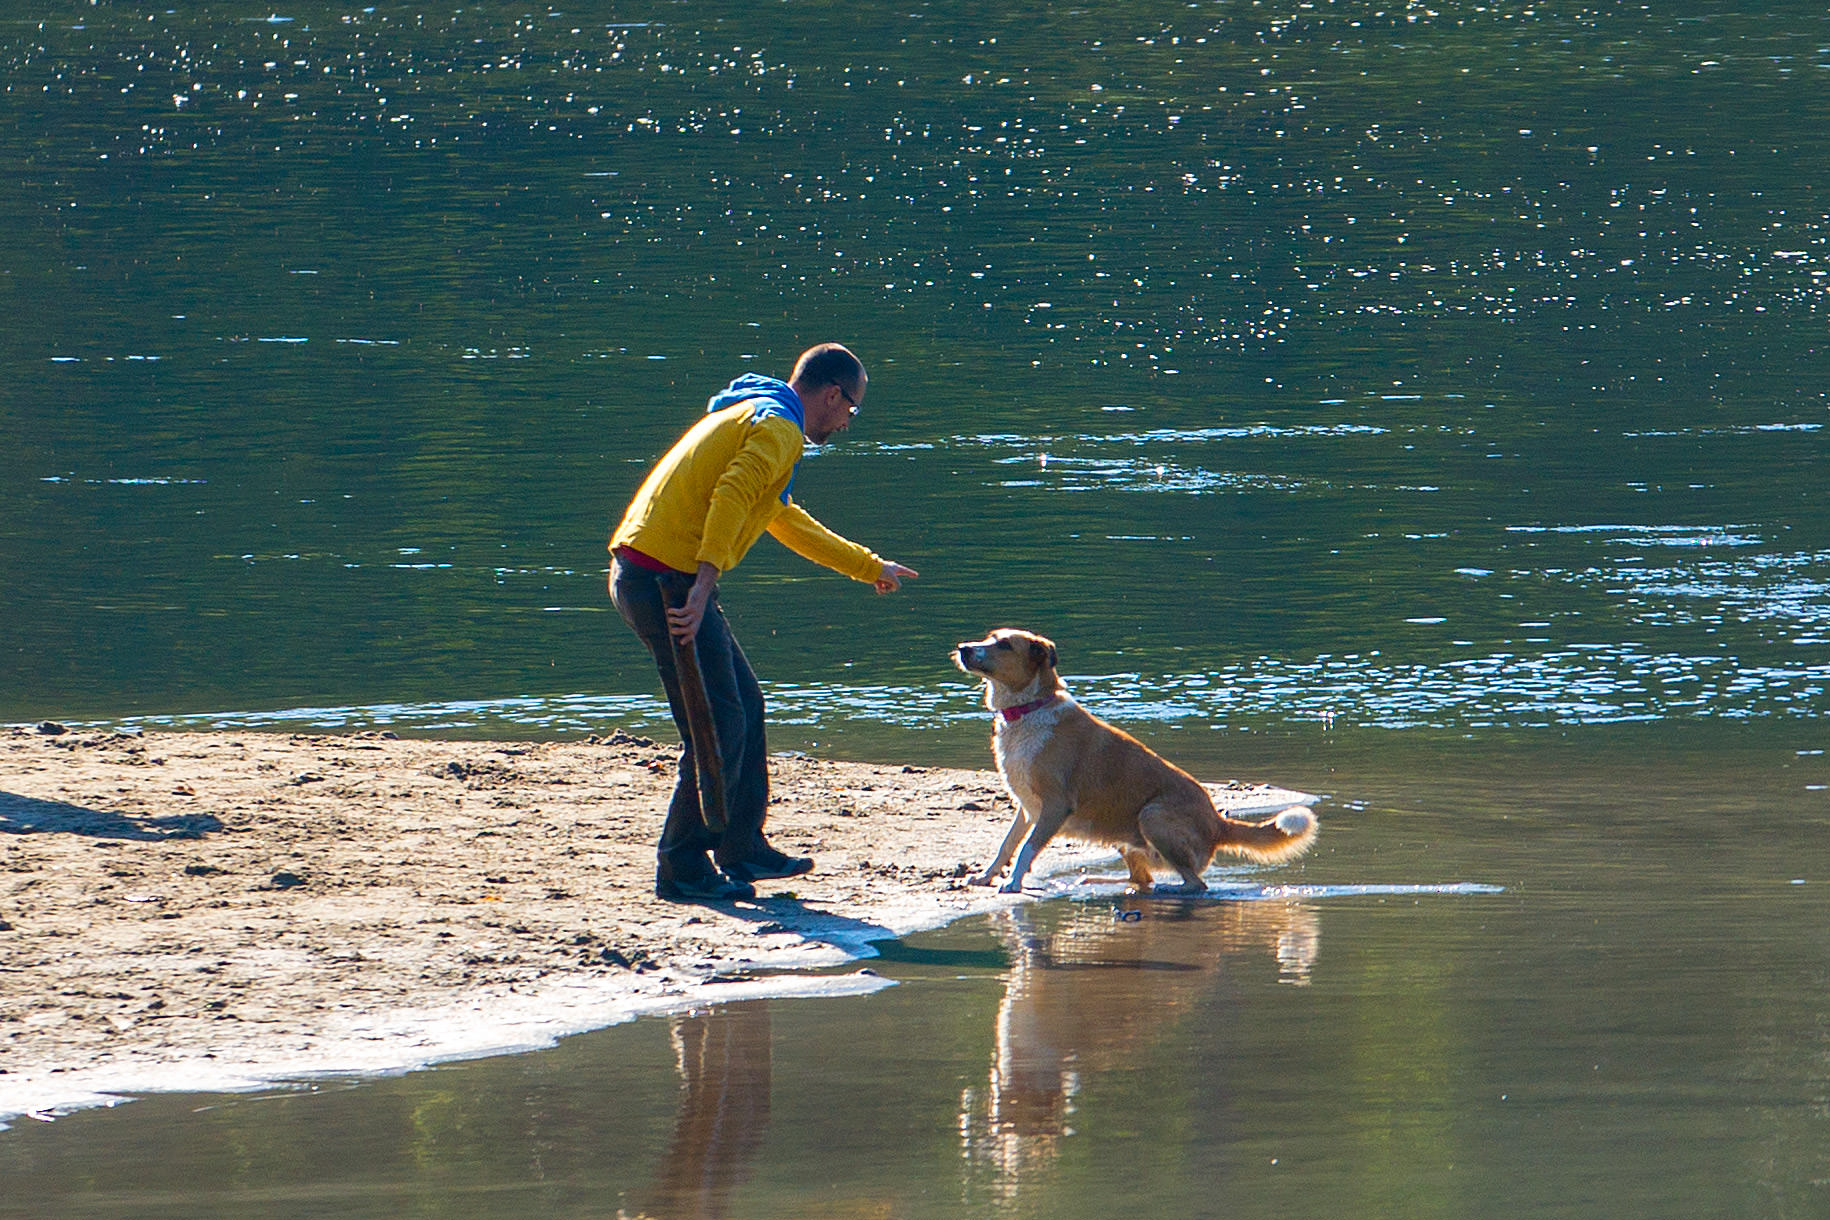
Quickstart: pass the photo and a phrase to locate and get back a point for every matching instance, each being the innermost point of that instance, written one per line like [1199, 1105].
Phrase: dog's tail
[1272, 841]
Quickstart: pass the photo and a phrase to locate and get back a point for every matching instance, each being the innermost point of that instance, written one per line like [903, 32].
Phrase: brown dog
[1071, 773]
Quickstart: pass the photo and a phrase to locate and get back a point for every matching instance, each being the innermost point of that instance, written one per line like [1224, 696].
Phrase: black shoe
[772, 867]
[709, 888]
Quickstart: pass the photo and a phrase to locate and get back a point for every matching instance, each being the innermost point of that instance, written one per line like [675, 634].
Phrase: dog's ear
[1042, 652]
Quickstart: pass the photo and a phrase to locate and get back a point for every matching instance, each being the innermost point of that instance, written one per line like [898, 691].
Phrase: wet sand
[215, 911]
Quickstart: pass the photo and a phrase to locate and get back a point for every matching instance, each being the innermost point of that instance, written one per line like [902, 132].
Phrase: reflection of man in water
[724, 1111]
[701, 508]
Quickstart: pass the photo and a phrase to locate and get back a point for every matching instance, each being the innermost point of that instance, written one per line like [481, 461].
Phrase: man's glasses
[850, 401]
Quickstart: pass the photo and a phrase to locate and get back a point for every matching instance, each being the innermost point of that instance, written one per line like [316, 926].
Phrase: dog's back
[1114, 777]
[1106, 774]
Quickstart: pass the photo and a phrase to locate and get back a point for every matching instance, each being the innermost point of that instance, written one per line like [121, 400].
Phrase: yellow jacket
[715, 492]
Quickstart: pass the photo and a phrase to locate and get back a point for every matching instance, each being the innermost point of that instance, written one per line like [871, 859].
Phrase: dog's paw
[1013, 886]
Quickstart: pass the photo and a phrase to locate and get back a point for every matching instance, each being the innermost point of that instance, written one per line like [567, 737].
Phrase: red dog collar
[1024, 709]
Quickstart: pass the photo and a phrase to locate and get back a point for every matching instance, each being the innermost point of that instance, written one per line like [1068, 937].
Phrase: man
[701, 508]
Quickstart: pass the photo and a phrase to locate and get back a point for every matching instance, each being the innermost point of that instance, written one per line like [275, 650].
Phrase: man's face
[831, 411]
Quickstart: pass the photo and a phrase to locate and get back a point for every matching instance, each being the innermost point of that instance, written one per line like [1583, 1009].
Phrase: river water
[1420, 404]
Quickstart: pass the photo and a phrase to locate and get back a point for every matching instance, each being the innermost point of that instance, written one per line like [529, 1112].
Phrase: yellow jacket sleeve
[795, 528]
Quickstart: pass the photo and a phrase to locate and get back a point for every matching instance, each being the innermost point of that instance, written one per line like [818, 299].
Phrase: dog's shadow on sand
[29, 815]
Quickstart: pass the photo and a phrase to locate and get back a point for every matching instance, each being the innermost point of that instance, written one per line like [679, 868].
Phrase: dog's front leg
[1043, 828]
[1018, 826]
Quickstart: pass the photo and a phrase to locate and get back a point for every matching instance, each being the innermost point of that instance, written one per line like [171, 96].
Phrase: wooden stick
[706, 756]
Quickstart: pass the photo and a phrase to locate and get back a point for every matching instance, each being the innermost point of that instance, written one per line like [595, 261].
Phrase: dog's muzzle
[965, 655]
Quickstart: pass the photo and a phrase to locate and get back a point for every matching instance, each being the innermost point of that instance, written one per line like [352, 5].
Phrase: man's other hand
[683, 623]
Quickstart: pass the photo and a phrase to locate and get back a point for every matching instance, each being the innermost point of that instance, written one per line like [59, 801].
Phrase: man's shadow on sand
[856, 937]
[28, 815]
[792, 915]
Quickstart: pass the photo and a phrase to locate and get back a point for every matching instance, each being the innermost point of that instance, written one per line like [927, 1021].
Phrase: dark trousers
[737, 712]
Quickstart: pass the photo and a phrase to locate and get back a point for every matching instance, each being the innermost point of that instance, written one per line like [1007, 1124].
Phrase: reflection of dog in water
[1071, 773]
[1072, 1004]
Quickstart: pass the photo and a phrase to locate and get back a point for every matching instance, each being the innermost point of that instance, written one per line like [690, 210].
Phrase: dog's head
[1013, 659]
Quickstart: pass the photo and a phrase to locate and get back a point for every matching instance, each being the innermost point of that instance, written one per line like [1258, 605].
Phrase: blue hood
[773, 397]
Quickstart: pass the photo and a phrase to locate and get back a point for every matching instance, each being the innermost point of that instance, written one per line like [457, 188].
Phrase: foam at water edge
[513, 1020]
[393, 1043]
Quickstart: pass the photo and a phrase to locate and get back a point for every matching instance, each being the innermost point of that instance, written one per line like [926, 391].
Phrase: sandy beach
[215, 911]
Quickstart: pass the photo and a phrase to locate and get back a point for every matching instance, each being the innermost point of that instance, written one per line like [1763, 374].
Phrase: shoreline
[223, 911]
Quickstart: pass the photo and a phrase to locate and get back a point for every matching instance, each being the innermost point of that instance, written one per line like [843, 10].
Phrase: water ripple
[1578, 685]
